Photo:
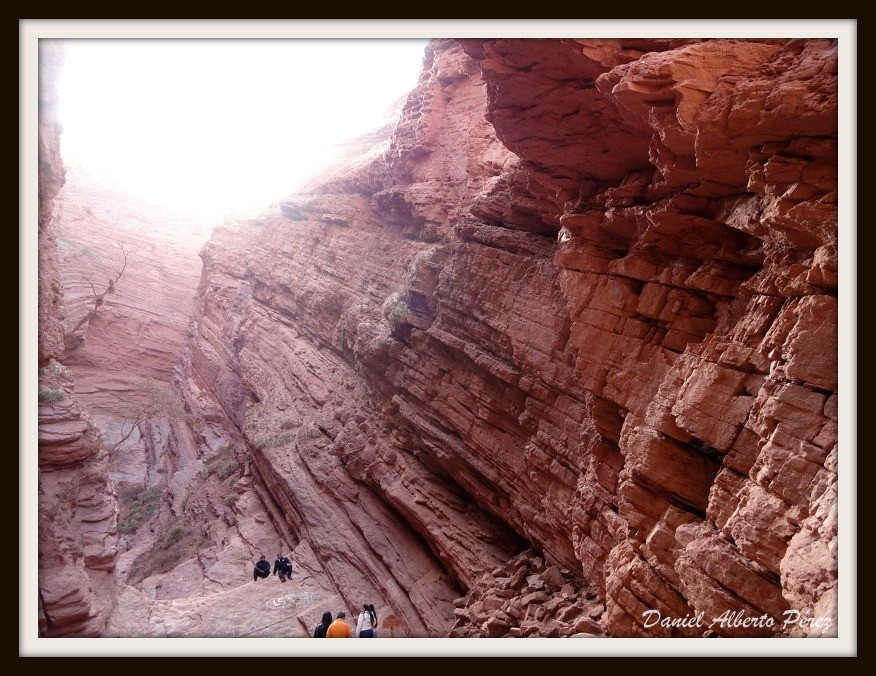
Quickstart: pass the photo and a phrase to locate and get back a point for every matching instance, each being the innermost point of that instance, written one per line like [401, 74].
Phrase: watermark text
[735, 619]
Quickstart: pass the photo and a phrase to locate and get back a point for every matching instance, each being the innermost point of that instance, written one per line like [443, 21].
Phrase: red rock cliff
[189, 525]
[148, 255]
[77, 539]
[584, 299]
[51, 178]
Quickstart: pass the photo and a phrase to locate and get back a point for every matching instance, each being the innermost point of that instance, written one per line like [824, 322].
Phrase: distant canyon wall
[129, 272]
[147, 256]
[582, 297]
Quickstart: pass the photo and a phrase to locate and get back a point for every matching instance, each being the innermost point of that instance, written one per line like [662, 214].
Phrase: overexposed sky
[218, 126]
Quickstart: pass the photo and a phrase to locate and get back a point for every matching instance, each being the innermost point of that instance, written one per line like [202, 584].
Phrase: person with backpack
[262, 569]
[367, 622]
[283, 567]
[323, 626]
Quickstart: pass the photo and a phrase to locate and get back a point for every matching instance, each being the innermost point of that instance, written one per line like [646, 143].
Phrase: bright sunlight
[215, 127]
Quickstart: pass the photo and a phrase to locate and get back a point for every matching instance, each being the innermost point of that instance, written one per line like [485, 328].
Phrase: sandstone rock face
[129, 273]
[551, 355]
[139, 328]
[582, 299]
[77, 538]
[51, 178]
[190, 520]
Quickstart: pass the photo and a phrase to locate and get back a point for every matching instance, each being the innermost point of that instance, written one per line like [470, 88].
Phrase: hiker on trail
[323, 626]
[283, 567]
[367, 622]
[339, 628]
[262, 569]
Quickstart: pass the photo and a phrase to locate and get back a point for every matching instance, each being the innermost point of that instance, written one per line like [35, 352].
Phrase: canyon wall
[553, 351]
[50, 169]
[147, 256]
[560, 346]
[189, 521]
[77, 529]
[129, 271]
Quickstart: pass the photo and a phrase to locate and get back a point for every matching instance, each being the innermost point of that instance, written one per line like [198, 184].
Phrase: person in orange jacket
[339, 628]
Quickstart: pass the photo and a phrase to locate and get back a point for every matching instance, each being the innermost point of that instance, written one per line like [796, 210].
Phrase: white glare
[224, 126]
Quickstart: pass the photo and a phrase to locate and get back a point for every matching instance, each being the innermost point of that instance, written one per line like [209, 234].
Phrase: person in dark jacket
[262, 569]
[323, 626]
[282, 567]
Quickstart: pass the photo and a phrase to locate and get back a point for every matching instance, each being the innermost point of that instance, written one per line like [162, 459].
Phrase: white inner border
[30, 31]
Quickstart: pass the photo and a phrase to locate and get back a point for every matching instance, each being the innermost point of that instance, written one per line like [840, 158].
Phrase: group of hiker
[282, 567]
[366, 623]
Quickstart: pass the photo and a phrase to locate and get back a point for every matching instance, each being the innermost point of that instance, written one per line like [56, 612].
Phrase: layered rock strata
[141, 519]
[583, 298]
[190, 520]
[51, 178]
[141, 261]
[129, 272]
[78, 538]
[77, 534]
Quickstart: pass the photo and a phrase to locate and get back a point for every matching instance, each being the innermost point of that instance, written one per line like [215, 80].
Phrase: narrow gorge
[554, 353]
